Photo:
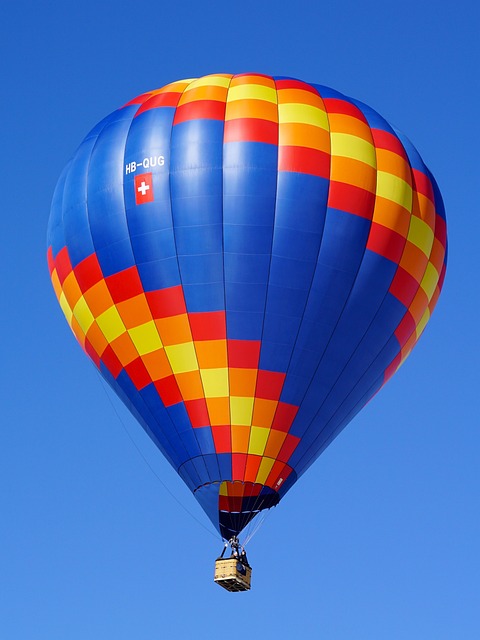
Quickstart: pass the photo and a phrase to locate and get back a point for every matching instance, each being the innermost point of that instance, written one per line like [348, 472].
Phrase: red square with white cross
[143, 188]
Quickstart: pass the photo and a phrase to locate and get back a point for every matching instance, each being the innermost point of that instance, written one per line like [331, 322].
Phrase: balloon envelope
[246, 260]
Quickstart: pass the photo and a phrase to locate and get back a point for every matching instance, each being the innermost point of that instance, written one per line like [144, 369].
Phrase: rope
[171, 494]
[257, 523]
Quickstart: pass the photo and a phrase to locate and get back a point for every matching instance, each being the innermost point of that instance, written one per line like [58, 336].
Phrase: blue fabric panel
[205, 440]
[164, 424]
[439, 205]
[275, 356]
[211, 462]
[159, 274]
[225, 464]
[299, 225]
[296, 244]
[374, 119]
[301, 202]
[248, 210]
[76, 224]
[55, 233]
[249, 195]
[189, 474]
[207, 497]
[155, 245]
[414, 158]
[344, 239]
[196, 192]
[116, 256]
[148, 419]
[291, 274]
[202, 470]
[328, 92]
[247, 239]
[149, 138]
[326, 426]
[150, 224]
[335, 273]
[244, 325]
[106, 207]
[204, 297]
[150, 217]
[379, 333]
[242, 269]
[317, 440]
[207, 239]
[371, 286]
[290, 303]
[201, 269]
[288, 483]
[197, 470]
[280, 329]
[155, 423]
[191, 443]
[179, 416]
[246, 297]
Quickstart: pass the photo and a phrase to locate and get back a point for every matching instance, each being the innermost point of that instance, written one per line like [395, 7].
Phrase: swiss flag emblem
[143, 188]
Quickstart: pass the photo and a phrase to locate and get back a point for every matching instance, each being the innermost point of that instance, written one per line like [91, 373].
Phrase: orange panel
[240, 438]
[78, 331]
[242, 382]
[124, 349]
[264, 412]
[177, 86]
[391, 162]
[351, 171]
[427, 210]
[206, 92]
[342, 123]
[434, 299]
[134, 311]
[174, 329]
[190, 385]
[298, 96]
[219, 410]
[437, 255]
[251, 108]
[98, 298]
[71, 289]
[392, 215]
[211, 354]
[274, 443]
[419, 305]
[299, 134]
[157, 364]
[266, 81]
[414, 261]
[411, 342]
[97, 339]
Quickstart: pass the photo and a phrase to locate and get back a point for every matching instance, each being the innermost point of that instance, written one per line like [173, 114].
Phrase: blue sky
[91, 543]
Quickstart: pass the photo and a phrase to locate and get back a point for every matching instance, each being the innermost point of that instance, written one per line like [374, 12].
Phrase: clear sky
[91, 543]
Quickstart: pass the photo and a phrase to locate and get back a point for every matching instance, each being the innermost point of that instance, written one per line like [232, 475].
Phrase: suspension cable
[171, 494]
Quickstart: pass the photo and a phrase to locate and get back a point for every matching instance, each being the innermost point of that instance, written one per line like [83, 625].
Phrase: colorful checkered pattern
[187, 358]
[255, 257]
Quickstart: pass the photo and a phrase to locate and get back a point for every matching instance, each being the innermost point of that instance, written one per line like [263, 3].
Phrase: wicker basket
[232, 575]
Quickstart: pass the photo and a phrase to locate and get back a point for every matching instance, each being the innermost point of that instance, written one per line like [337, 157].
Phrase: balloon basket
[232, 575]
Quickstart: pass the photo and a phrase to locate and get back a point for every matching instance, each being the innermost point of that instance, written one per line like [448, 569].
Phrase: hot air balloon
[246, 260]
